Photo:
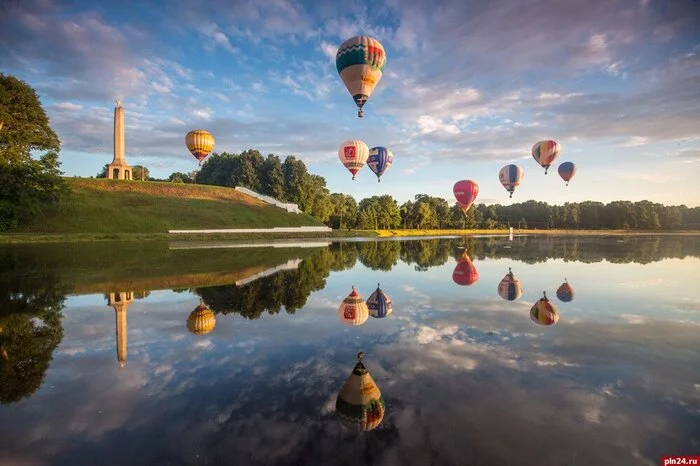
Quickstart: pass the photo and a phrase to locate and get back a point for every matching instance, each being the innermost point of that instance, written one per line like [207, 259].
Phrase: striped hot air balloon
[359, 62]
[510, 288]
[360, 405]
[200, 143]
[379, 304]
[545, 153]
[201, 320]
[465, 192]
[567, 170]
[510, 177]
[353, 310]
[465, 273]
[565, 292]
[379, 161]
[353, 154]
[544, 312]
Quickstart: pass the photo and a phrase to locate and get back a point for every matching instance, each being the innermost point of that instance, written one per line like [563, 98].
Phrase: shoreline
[34, 238]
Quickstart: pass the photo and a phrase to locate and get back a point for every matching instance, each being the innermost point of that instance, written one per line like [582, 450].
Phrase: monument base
[119, 171]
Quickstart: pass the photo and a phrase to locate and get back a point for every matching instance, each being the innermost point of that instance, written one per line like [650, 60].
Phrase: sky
[469, 86]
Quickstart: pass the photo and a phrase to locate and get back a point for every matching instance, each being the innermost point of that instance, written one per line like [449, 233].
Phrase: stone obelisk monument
[118, 169]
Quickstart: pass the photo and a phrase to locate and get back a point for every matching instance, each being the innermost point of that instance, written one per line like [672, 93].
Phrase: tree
[139, 172]
[27, 185]
[179, 177]
[272, 178]
[103, 172]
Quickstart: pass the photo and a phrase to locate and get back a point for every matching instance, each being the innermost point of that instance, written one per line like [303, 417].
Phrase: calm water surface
[179, 353]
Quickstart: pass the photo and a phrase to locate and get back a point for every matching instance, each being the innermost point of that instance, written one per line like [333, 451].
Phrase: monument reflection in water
[246, 361]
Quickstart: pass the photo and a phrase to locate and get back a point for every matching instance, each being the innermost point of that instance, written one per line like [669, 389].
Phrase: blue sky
[469, 86]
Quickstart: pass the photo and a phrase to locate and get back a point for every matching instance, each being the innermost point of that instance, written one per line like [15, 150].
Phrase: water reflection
[201, 320]
[544, 312]
[465, 273]
[120, 302]
[353, 310]
[565, 292]
[510, 288]
[360, 404]
[379, 304]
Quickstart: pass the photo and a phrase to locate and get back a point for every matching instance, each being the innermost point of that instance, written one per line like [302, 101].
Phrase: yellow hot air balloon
[544, 312]
[200, 143]
[353, 310]
[353, 154]
[201, 320]
[360, 405]
[359, 62]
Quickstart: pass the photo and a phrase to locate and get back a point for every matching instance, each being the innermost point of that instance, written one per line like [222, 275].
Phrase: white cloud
[329, 50]
[68, 106]
[428, 124]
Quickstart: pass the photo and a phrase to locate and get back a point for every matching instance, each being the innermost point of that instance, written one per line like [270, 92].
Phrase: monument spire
[118, 169]
[120, 302]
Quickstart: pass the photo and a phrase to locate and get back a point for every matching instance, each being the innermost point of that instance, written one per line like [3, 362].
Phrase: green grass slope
[100, 206]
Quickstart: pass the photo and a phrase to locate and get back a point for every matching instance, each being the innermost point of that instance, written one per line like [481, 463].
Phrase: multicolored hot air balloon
[353, 310]
[567, 170]
[360, 61]
[545, 153]
[200, 143]
[510, 177]
[510, 288]
[465, 273]
[353, 154]
[201, 320]
[465, 192]
[379, 161]
[379, 304]
[565, 293]
[544, 312]
[360, 405]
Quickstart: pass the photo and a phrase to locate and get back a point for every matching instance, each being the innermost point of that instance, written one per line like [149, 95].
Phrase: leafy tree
[139, 172]
[27, 186]
[272, 178]
[103, 172]
[179, 177]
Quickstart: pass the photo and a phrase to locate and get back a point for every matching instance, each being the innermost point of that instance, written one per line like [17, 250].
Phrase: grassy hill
[101, 206]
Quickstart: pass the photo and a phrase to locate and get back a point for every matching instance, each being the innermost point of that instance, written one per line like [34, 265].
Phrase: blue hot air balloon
[380, 159]
[510, 177]
[379, 304]
[567, 170]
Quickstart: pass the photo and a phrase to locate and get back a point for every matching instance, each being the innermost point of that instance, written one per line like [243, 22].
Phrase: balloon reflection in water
[379, 304]
[565, 292]
[465, 273]
[201, 321]
[544, 312]
[353, 310]
[360, 405]
[510, 288]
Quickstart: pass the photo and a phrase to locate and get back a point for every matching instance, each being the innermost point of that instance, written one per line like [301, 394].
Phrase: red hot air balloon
[465, 273]
[465, 192]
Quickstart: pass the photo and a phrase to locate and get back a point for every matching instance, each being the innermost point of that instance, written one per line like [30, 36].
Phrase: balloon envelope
[545, 152]
[379, 304]
[510, 177]
[465, 273]
[353, 310]
[353, 154]
[544, 312]
[510, 288]
[201, 320]
[360, 405]
[465, 192]
[567, 170]
[379, 161]
[359, 62]
[200, 143]
[565, 292]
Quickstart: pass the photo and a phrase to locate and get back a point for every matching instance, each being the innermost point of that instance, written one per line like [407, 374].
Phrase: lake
[232, 353]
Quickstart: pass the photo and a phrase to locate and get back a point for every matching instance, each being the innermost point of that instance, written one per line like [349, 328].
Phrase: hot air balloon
[200, 143]
[201, 320]
[510, 177]
[360, 405]
[510, 288]
[353, 310]
[379, 304]
[544, 312]
[379, 161]
[465, 192]
[353, 154]
[360, 61]
[545, 152]
[465, 273]
[565, 293]
[567, 170]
